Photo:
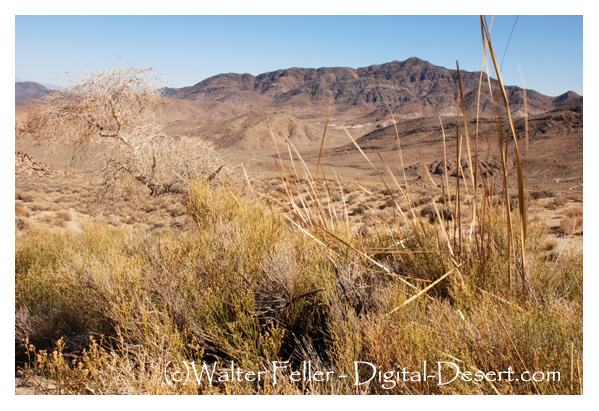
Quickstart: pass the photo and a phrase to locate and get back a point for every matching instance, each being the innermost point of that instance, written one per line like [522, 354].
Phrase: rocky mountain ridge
[412, 88]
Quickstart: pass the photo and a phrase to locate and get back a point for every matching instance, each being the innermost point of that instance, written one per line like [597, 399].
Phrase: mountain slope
[252, 131]
[554, 148]
[29, 89]
[563, 121]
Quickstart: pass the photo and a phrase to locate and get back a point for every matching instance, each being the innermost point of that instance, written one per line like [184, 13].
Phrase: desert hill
[554, 149]
[28, 89]
[252, 131]
[564, 122]
[185, 117]
[561, 122]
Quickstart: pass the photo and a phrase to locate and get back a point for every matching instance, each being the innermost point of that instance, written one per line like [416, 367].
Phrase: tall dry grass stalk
[466, 242]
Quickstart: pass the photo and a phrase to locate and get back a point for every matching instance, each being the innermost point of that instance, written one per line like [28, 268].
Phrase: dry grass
[246, 287]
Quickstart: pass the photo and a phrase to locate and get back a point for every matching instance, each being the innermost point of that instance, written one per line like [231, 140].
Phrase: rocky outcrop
[487, 168]
[27, 165]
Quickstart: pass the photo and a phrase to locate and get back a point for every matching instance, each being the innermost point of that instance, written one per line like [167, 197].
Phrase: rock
[25, 164]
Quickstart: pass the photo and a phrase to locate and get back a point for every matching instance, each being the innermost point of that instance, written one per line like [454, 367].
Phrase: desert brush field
[424, 256]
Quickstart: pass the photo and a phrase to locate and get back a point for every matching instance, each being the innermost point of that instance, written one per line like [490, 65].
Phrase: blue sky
[187, 49]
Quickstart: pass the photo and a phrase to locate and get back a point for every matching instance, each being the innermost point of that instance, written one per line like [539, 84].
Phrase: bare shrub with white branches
[117, 109]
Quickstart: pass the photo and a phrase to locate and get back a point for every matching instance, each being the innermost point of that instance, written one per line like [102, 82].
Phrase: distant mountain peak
[563, 98]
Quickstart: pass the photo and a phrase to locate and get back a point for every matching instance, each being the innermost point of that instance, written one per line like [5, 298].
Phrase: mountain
[412, 88]
[29, 89]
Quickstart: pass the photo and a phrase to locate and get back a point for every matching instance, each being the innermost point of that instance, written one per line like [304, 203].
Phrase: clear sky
[184, 50]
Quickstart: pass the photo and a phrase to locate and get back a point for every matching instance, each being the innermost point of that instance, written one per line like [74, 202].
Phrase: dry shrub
[557, 202]
[422, 200]
[574, 212]
[116, 109]
[21, 212]
[537, 195]
[21, 224]
[19, 195]
[430, 211]
[572, 223]
[64, 215]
